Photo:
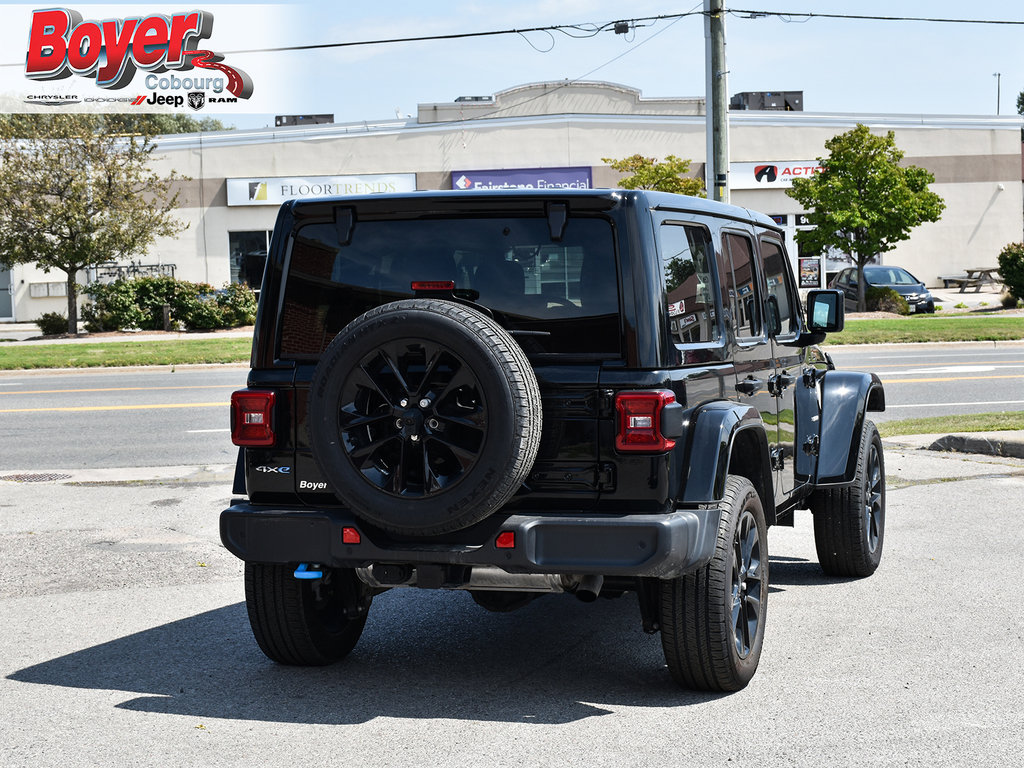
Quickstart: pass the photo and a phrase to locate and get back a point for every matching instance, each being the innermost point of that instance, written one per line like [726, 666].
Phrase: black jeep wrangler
[594, 392]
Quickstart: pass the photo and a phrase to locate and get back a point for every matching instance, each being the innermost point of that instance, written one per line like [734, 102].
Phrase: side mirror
[825, 311]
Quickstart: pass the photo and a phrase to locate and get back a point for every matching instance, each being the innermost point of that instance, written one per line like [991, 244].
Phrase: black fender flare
[717, 431]
[846, 397]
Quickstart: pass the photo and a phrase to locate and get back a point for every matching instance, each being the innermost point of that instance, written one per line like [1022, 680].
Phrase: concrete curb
[1008, 444]
[208, 473]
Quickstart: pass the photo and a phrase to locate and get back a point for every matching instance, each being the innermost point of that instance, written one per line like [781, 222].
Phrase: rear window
[555, 297]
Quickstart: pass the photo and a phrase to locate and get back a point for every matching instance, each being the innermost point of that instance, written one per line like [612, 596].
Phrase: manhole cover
[39, 477]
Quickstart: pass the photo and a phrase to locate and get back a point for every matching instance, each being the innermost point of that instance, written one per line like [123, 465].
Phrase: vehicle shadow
[434, 655]
[798, 572]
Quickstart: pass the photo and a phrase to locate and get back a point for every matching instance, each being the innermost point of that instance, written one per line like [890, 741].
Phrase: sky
[856, 66]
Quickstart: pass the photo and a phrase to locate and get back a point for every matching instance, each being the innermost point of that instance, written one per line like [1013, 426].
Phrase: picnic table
[984, 274]
[973, 277]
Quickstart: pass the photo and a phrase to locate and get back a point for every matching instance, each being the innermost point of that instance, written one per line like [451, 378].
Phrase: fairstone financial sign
[274, 191]
[524, 178]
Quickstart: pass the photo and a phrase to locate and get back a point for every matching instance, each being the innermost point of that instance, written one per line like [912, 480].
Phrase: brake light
[433, 285]
[640, 421]
[252, 422]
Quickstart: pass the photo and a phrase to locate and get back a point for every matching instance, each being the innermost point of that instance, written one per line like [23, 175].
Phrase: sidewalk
[21, 332]
[1009, 443]
[948, 298]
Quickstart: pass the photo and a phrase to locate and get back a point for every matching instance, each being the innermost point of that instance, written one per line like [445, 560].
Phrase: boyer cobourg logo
[113, 51]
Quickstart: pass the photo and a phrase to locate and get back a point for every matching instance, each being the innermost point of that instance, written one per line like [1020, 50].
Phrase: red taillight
[639, 417]
[506, 540]
[252, 422]
[433, 285]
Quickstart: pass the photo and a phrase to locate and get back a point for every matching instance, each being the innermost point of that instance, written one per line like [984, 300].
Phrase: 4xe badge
[274, 470]
[111, 51]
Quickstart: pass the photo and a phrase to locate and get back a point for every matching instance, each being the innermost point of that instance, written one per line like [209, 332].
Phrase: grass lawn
[947, 425]
[925, 328]
[125, 353]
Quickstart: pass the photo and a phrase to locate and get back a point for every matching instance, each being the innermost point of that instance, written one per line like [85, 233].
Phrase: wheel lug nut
[433, 423]
[404, 403]
[425, 403]
[398, 423]
[415, 438]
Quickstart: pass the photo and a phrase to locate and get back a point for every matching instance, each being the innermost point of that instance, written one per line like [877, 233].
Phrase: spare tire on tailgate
[425, 416]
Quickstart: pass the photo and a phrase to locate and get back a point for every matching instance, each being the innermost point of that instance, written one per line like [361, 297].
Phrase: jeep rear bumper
[658, 546]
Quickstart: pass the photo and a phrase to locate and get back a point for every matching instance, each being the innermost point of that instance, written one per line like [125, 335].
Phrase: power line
[783, 15]
[570, 30]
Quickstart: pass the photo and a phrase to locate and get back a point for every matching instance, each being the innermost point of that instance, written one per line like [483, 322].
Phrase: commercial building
[556, 134]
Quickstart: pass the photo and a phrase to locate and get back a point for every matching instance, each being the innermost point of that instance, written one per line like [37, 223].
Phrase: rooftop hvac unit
[780, 101]
[282, 120]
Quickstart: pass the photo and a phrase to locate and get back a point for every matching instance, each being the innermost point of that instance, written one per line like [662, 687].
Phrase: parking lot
[125, 641]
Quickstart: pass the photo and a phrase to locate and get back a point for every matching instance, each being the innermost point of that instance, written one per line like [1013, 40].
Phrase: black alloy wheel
[412, 418]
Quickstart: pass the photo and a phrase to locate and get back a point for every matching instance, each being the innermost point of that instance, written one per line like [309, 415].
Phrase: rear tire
[305, 623]
[849, 522]
[712, 621]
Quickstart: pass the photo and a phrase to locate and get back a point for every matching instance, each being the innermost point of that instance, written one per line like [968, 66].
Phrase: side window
[741, 285]
[686, 255]
[780, 289]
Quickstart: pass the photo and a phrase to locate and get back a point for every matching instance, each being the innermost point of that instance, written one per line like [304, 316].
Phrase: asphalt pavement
[126, 642]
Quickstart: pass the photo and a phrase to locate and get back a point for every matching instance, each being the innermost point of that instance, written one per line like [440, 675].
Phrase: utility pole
[999, 87]
[716, 101]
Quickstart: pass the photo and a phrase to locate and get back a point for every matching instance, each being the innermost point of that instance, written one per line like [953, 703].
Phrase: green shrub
[1011, 267]
[195, 306]
[139, 303]
[1008, 300]
[880, 299]
[238, 303]
[113, 307]
[52, 323]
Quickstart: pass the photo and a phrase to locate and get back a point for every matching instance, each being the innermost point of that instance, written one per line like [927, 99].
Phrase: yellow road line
[223, 404]
[115, 389]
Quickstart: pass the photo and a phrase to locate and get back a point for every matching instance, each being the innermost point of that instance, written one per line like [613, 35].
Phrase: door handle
[778, 383]
[749, 386]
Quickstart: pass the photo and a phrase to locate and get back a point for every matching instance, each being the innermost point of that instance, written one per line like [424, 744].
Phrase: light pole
[999, 82]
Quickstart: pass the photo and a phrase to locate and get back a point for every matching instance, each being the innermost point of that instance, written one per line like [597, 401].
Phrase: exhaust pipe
[589, 587]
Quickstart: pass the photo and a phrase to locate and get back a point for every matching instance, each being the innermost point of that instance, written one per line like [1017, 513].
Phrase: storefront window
[248, 256]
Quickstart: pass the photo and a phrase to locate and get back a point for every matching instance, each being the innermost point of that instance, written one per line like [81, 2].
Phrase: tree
[1020, 110]
[32, 124]
[73, 195]
[163, 124]
[863, 202]
[648, 173]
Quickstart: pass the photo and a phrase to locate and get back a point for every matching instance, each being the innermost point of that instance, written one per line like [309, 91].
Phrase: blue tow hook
[309, 571]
